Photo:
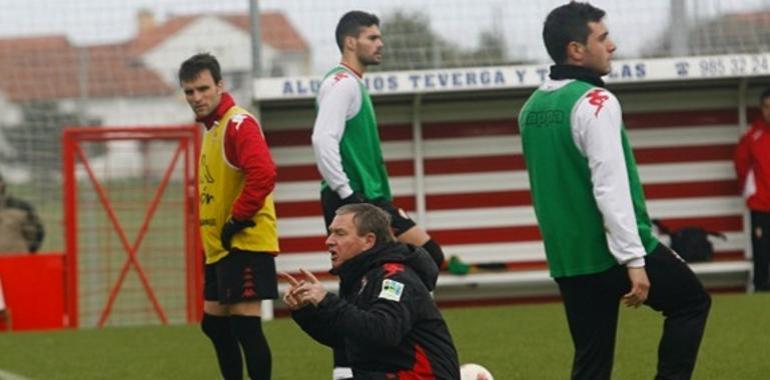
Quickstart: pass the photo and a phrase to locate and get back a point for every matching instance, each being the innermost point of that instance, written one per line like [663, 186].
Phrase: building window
[235, 80]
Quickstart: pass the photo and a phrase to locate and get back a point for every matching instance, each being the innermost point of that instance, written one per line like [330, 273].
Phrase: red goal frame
[188, 138]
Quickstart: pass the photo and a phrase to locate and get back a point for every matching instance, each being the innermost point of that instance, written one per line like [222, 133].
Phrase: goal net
[130, 219]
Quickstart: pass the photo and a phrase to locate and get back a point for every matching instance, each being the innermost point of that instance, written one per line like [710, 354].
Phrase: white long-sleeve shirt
[338, 100]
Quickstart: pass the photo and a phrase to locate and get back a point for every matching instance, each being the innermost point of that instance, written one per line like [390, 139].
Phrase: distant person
[384, 317]
[591, 210]
[752, 164]
[21, 230]
[237, 221]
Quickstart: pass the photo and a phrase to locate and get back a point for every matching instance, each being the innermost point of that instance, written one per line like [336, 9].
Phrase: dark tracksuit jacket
[385, 317]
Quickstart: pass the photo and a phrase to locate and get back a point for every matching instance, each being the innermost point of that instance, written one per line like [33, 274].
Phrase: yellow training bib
[219, 185]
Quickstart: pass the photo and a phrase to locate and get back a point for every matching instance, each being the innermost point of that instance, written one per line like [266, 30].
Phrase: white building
[162, 46]
[132, 83]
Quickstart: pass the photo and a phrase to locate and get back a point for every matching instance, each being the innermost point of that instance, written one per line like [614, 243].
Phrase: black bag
[691, 242]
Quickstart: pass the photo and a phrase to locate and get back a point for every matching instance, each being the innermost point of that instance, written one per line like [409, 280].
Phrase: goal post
[130, 219]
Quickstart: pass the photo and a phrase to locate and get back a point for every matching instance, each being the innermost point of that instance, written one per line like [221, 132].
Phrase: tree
[490, 50]
[37, 140]
[411, 44]
[725, 34]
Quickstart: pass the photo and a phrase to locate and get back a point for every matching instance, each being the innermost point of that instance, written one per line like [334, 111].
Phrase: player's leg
[246, 323]
[216, 326]
[418, 237]
[330, 202]
[760, 248]
[679, 295]
[407, 231]
[250, 277]
[591, 304]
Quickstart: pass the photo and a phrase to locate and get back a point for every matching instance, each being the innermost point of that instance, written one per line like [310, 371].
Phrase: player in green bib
[346, 142]
[591, 209]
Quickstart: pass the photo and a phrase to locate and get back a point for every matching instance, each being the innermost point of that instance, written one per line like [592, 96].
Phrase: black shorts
[400, 221]
[241, 276]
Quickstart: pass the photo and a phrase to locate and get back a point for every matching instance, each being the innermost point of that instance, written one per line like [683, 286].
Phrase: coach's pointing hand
[290, 298]
[311, 290]
[232, 227]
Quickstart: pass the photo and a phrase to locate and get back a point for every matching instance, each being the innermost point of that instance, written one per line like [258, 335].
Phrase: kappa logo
[248, 292]
[597, 98]
[248, 289]
[237, 120]
[340, 76]
[392, 268]
[391, 290]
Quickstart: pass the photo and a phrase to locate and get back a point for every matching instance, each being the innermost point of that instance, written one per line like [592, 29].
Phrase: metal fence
[113, 62]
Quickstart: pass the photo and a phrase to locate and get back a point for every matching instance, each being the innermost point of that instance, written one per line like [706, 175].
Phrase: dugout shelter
[451, 142]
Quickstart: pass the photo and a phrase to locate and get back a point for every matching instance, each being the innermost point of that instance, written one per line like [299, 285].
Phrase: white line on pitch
[5, 375]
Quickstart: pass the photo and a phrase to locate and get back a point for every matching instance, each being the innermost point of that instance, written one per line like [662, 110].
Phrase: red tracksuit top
[752, 159]
[246, 148]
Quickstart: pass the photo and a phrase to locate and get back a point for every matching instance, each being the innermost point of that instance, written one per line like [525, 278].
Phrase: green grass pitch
[514, 342]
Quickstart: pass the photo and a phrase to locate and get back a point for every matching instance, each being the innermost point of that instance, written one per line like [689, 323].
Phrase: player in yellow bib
[238, 230]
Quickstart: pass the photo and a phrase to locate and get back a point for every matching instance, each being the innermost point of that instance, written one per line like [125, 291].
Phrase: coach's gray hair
[369, 218]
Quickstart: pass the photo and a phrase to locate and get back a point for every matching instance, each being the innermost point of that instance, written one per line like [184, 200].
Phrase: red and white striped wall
[477, 203]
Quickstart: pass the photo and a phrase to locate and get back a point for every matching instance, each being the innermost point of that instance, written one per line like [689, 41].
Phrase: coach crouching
[384, 317]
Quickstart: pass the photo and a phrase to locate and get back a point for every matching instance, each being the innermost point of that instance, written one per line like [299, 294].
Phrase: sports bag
[691, 242]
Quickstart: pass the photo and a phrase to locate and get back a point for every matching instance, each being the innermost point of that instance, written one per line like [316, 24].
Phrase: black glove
[232, 227]
[356, 197]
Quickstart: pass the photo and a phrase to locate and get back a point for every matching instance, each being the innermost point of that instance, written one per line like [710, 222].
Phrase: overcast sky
[633, 23]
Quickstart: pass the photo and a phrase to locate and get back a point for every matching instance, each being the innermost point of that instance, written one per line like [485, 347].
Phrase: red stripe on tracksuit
[421, 369]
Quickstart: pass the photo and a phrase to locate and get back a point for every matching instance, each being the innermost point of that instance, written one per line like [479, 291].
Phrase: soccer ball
[471, 371]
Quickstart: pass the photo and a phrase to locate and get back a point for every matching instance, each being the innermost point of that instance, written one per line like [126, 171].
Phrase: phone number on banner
[725, 66]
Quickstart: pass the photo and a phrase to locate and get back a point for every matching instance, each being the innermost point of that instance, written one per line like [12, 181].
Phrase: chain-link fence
[113, 62]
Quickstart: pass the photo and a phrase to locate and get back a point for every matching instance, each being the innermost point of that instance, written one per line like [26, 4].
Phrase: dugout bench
[522, 286]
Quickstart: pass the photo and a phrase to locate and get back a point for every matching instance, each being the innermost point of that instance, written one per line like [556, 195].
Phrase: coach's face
[368, 45]
[343, 242]
[203, 94]
[596, 53]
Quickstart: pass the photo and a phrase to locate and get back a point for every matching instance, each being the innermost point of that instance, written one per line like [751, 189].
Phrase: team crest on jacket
[391, 290]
